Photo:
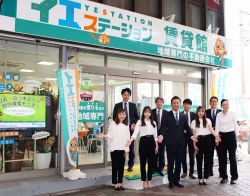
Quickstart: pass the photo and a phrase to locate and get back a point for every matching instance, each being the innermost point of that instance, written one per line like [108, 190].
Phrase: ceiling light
[46, 63]
[27, 70]
[51, 79]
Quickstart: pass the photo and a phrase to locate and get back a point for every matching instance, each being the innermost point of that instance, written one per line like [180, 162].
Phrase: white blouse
[118, 136]
[226, 123]
[145, 130]
[201, 130]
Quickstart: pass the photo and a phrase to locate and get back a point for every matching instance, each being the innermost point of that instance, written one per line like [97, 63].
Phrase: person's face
[175, 104]
[213, 103]
[159, 103]
[125, 96]
[147, 114]
[121, 116]
[225, 106]
[201, 113]
[186, 107]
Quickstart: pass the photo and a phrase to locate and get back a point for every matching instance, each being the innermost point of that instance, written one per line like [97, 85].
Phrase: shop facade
[113, 49]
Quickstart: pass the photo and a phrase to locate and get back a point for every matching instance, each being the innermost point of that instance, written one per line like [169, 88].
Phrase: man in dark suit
[176, 124]
[187, 103]
[211, 114]
[159, 116]
[131, 118]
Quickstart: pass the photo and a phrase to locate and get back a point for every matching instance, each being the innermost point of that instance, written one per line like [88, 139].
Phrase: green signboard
[22, 111]
[96, 24]
[91, 111]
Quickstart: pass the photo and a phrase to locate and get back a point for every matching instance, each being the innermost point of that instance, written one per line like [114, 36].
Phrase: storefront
[113, 49]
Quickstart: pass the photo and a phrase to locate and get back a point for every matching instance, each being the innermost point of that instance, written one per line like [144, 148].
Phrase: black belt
[201, 136]
[223, 133]
[147, 136]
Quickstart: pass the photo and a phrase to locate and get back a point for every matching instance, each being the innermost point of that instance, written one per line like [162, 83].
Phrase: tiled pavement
[191, 186]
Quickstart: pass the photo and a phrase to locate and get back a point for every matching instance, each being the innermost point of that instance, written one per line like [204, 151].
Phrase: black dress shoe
[130, 169]
[122, 188]
[200, 182]
[204, 182]
[233, 182]
[178, 184]
[171, 185]
[161, 173]
[223, 181]
[192, 176]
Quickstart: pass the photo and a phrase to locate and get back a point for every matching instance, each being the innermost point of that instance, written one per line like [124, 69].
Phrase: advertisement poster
[22, 111]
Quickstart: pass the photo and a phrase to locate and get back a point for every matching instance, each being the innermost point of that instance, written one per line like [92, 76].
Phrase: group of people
[172, 132]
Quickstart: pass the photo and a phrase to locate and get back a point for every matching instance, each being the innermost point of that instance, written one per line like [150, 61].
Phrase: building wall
[194, 13]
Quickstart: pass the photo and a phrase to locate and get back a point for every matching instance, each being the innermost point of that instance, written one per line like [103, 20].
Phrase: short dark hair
[213, 97]
[187, 101]
[126, 90]
[175, 97]
[159, 98]
[120, 110]
[222, 101]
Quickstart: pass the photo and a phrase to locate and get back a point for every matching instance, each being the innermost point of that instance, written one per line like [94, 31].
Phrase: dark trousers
[212, 148]
[147, 154]
[188, 143]
[118, 162]
[131, 155]
[159, 161]
[228, 144]
[204, 153]
[174, 155]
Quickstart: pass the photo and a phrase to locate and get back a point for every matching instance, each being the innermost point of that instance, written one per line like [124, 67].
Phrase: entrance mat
[136, 173]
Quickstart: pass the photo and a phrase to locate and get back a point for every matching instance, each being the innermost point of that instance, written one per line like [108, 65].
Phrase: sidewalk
[214, 188]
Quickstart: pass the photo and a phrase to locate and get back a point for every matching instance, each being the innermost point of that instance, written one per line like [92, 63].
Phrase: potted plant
[43, 149]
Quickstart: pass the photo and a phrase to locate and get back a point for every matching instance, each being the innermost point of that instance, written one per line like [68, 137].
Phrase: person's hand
[132, 126]
[128, 142]
[160, 139]
[196, 149]
[217, 139]
[100, 135]
[194, 138]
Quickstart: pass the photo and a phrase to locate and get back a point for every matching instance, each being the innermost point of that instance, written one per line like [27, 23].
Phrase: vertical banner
[68, 80]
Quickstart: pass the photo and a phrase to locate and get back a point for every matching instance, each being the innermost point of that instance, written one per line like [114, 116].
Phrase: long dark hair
[117, 121]
[204, 118]
[147, 108]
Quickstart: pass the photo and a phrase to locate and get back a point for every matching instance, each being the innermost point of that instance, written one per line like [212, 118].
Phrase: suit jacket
[133, 114]
[208, 114]
[163, 119]
[192, 116]
[176, 133]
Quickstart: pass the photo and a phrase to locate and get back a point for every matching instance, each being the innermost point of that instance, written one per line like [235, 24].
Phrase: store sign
[68, 90]
[22, 111]
[91, 111]
[88, 22]
[9, 134]
[11, 141]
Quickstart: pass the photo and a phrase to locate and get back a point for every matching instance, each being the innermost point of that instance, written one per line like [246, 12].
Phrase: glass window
[213, 19]
[170, 7]
[91, 59]
[171, 89]
[194, 16]
[91, 92]
[30, 94]
[148, 7]
[134, 65]
[187, 71]
[127, 5]
[194, 93]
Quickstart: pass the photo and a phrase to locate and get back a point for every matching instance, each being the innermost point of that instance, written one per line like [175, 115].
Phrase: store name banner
[91, 111]
[68, 91]
[101, 25]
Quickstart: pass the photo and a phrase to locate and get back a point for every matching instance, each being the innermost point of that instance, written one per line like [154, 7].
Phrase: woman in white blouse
[202, 128]
[118, 135]
[226, 126]
[148, 145]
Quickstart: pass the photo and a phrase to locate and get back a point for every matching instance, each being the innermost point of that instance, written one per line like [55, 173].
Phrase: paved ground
[191, 186]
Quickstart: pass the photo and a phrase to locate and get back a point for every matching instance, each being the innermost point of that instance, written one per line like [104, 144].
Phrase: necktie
[126, 110]
[214, 114]
[188, 118]
[159, 119]
[176, 118]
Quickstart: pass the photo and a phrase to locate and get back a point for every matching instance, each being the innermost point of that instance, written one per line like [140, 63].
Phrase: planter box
[43, 160]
